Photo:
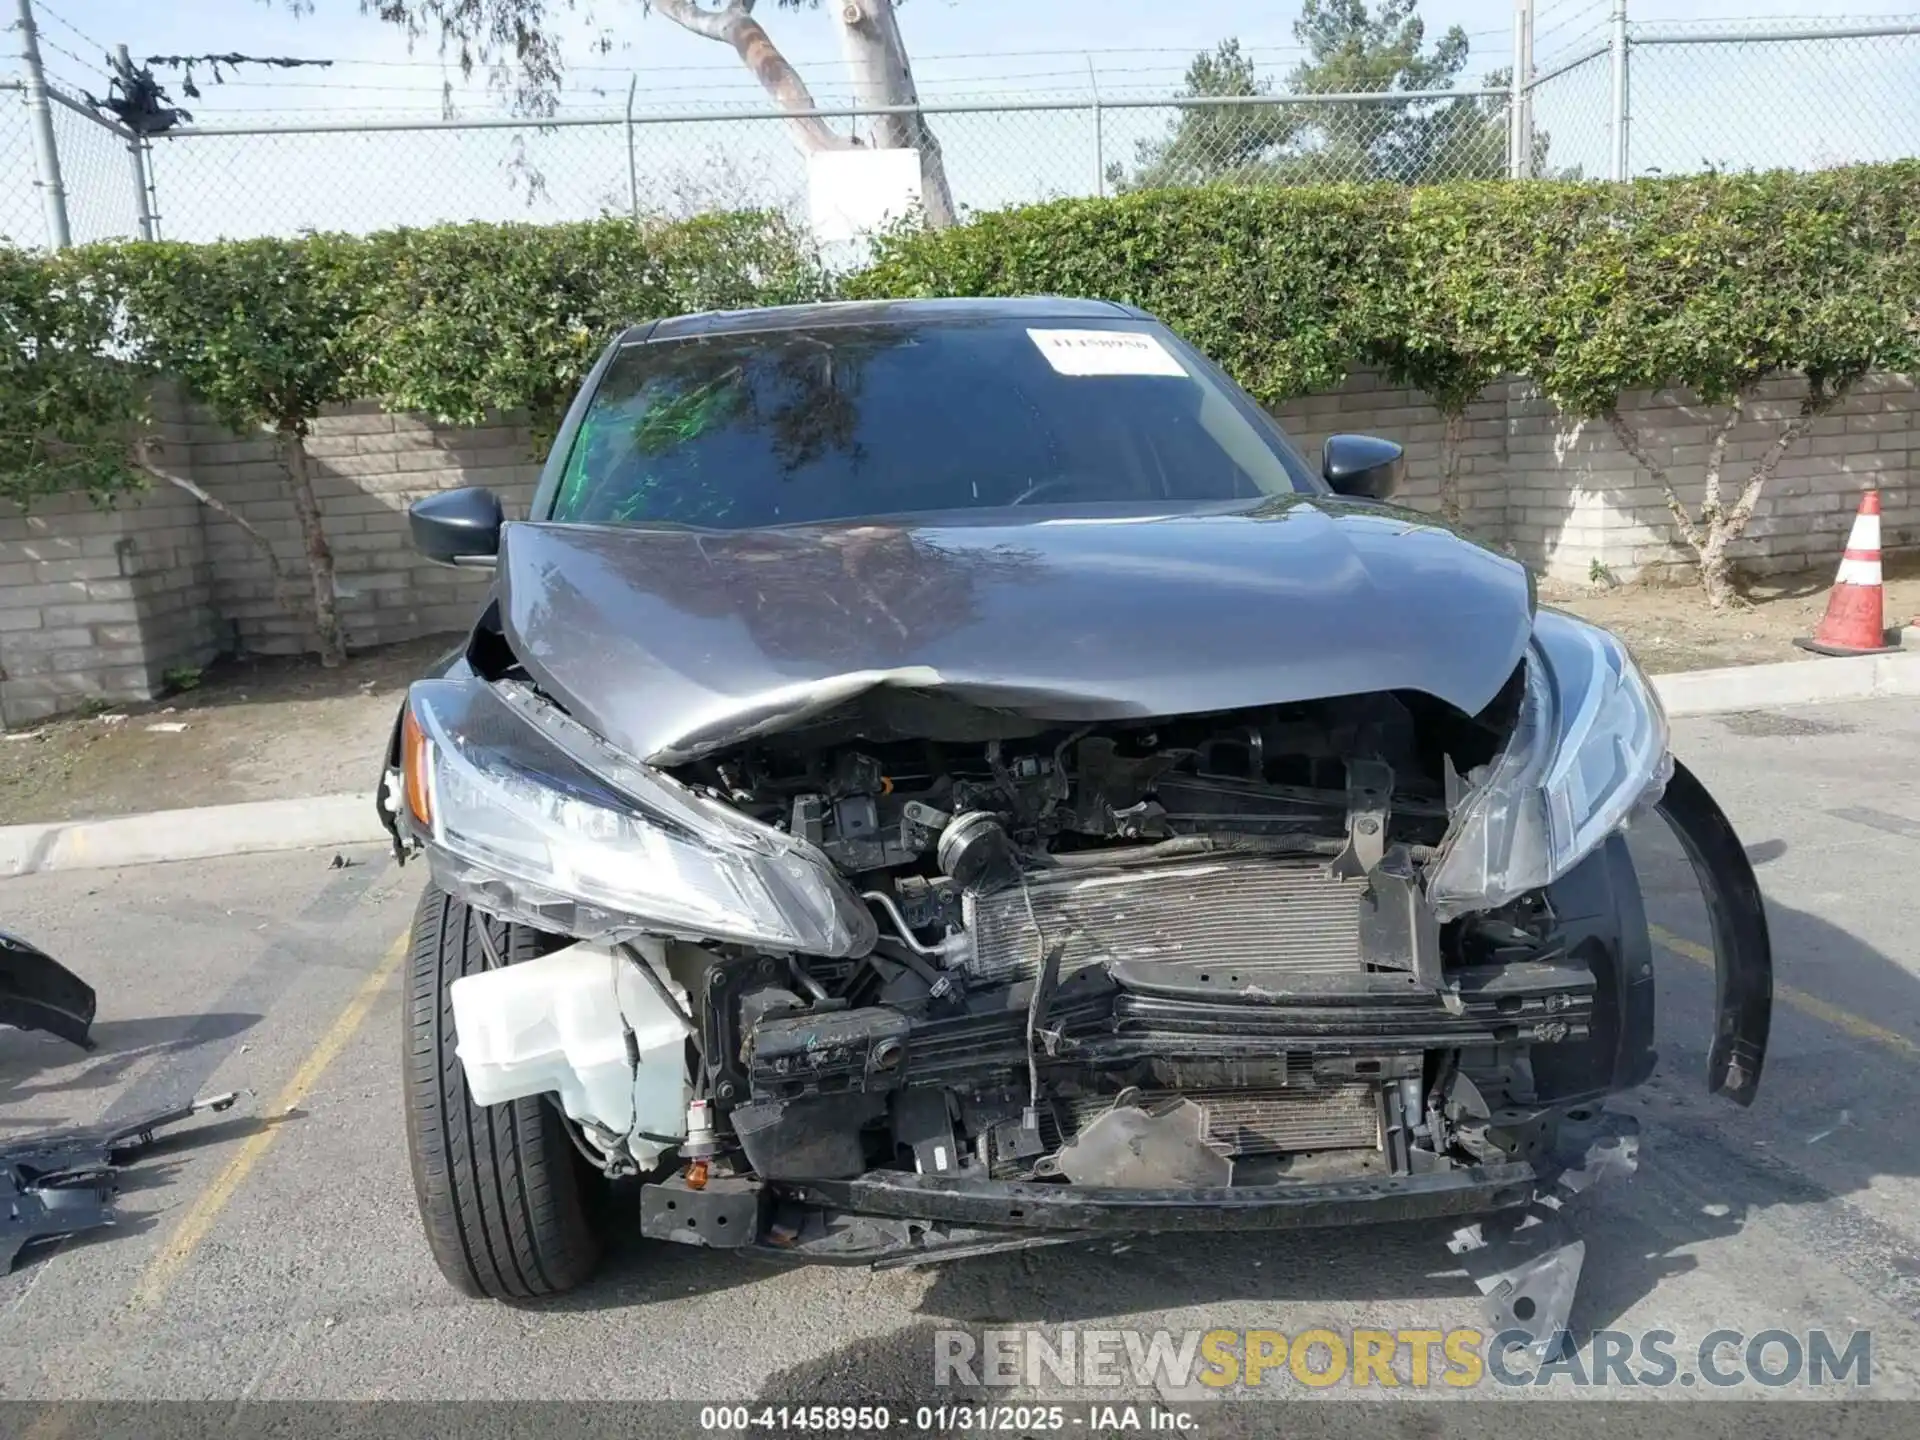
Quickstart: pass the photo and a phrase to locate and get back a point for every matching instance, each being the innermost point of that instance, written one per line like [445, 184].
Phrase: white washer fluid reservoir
[560, 1023]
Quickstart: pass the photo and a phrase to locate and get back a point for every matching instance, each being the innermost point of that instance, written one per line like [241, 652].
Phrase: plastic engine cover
[560, 1023]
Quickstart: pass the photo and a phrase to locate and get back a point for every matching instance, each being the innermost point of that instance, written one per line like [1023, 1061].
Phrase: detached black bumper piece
[37, 992]
[62, 1182]
[1742, 948]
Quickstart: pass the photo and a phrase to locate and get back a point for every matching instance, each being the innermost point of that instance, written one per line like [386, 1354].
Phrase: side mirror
[457, 527]
[1363, 466]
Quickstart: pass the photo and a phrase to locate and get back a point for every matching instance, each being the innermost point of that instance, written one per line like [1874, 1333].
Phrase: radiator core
[1271, 1121]
[1237, 911]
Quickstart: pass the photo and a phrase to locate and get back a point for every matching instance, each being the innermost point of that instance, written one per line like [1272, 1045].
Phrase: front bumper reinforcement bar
[1302, 1205]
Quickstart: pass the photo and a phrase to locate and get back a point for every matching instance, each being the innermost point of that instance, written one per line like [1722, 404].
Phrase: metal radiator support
[1255, 912]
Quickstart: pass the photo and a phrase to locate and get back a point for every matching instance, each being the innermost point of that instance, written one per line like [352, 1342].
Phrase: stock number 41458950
[865, 1419]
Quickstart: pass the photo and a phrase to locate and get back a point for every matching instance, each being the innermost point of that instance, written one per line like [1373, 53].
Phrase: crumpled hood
[674, 642]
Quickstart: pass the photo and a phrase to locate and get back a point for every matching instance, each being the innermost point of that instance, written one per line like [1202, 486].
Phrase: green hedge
[466, 319]
[1709, 282]
[457, 321]
[1269, 282]
[64, 411]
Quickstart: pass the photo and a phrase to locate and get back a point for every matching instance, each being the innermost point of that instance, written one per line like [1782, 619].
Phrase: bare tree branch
[146, 460]
[710, 23]
[734, 24]
[1716, 458]
[1716, 527]
[1629, 439]
[882, 75]
[1820, 399]
[517, 43]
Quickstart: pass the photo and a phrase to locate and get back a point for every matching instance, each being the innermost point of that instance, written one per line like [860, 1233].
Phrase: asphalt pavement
[274, 1252]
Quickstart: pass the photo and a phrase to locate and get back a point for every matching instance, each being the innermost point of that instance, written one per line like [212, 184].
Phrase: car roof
[880, 312]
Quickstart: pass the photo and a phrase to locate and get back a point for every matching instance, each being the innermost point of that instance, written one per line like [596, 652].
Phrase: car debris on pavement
[63, 1182]
[37, 992]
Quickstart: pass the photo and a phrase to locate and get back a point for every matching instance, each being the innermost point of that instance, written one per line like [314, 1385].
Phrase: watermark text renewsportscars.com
[1379, 1359]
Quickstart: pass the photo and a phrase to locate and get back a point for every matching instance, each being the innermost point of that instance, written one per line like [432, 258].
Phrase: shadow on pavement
[119, 1045]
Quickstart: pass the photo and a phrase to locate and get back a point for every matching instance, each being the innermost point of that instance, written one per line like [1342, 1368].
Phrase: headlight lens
[1588, 751]
[533, 817]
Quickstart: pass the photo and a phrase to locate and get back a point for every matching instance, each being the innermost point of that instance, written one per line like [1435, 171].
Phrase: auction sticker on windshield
[1106, 352]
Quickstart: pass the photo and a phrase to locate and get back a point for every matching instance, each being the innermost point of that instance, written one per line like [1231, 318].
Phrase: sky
[959, 47]
[1692, 105]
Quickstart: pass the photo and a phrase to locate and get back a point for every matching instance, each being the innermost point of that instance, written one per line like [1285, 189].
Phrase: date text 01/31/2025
[935, 1419]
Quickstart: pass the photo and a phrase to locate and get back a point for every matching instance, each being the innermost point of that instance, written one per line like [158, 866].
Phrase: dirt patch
[1670, 628]
[268, 728]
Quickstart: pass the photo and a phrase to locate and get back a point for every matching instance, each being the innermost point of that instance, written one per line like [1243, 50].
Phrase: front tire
[503, 1194]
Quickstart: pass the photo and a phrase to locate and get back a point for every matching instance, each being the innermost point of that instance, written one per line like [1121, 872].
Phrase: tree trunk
[876, 56]
[735, 25]
[1707, 536]
[313, 539]
[1450, 439]
[1716, 570]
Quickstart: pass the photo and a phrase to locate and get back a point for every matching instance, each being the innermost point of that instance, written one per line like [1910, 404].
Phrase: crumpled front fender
[1743, 952]
[37, 992]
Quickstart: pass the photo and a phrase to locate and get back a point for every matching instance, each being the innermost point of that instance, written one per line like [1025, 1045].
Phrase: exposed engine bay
[1206, 929]
[1190, 952]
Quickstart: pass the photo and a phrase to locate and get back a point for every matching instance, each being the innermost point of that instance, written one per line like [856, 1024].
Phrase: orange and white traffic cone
[1855, 622]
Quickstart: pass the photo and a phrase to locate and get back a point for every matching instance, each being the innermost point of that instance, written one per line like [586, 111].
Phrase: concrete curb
[1792, 682]
[200, 834]
[322, 820]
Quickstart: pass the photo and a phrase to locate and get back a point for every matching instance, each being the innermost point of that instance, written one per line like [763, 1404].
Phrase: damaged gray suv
[942, 776]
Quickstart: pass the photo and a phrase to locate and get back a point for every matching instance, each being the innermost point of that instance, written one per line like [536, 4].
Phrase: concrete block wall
[100, 604]
[1561, 493]
[367, 467]
[1367, 404]
[1576, 497]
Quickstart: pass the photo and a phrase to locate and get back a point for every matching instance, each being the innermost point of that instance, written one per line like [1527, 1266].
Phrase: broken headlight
[529, 815]
[1588, 751]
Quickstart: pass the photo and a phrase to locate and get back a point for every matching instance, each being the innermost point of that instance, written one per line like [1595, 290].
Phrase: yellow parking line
[52, 1421]
[197, 1222]
[1843, 1020]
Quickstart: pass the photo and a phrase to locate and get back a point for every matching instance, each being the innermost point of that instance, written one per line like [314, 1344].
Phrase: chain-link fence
[95, 179]
[1572, 110]
[1633, 102]
[20, 217]
[271, 180]
[97, 168]
[1712, 98]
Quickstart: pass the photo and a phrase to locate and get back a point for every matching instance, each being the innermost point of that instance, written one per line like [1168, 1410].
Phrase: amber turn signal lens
[413, 759]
